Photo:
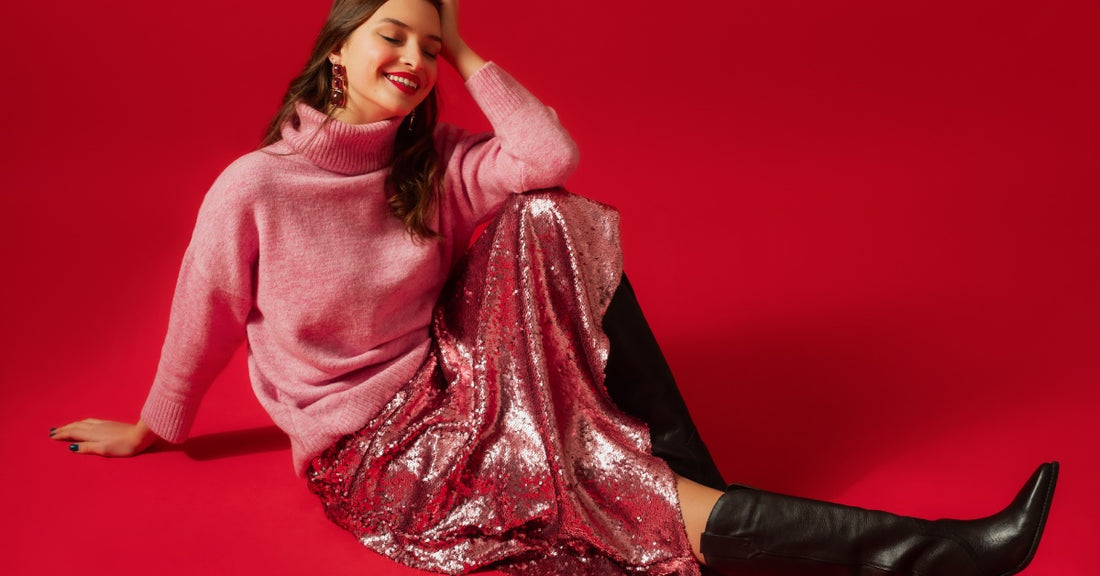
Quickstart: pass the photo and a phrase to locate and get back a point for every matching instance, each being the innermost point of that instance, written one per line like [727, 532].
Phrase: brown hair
[414, 180]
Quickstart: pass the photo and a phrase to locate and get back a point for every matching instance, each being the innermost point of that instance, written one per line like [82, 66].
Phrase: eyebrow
[401, 24]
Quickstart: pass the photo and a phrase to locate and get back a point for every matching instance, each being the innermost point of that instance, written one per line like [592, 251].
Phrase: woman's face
[391, 61]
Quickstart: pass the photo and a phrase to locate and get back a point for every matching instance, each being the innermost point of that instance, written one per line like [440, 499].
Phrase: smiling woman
[390, 61]
[457, 410]
[424, 434]
[375, 61]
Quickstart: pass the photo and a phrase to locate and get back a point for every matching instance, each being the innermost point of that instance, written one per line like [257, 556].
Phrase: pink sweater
[296, 251]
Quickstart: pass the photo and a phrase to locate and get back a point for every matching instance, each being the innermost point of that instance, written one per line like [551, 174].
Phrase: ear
[337, 54]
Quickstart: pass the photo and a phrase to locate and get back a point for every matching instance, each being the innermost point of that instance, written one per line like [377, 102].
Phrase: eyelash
[397, 42]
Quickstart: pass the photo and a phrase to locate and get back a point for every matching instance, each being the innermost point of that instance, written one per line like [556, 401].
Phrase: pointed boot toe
[1008, 540]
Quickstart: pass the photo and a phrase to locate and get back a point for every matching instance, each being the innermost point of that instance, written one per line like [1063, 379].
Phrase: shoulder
[256, 169]
[252, 176]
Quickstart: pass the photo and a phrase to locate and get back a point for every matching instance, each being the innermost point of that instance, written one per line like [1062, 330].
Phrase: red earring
[339, 81]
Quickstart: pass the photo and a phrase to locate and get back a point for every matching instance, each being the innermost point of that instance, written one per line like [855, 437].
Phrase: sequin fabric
[504, 451]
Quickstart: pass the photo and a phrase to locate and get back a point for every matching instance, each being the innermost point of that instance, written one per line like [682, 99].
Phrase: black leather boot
[752, 532]
[640, 383]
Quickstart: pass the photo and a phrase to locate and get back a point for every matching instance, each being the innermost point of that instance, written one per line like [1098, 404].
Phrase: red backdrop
[864, 231]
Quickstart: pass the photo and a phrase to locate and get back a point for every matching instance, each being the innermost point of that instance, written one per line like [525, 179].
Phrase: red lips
[406, 76]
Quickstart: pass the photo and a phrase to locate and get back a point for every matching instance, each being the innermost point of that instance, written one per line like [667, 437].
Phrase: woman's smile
[406, 82]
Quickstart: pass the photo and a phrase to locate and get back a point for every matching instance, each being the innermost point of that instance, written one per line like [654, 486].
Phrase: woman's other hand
[455, 50]
[105, 438]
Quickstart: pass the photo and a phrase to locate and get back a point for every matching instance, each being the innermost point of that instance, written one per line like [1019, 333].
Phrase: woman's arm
[210, 308]
[455, 50]
[528, 149]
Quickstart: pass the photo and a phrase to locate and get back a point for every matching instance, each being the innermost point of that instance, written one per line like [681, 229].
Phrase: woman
[477, 435]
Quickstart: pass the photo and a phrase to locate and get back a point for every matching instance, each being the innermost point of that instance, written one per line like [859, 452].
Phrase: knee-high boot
[640, 383]
[752, 532]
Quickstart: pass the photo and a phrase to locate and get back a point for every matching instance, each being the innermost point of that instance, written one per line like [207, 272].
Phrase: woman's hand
[455, 50]
[105, 438]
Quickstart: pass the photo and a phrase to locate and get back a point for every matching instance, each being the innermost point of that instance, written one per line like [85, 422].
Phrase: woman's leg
[751, 531]
[640, 383]
[504, 448]
[696, 502]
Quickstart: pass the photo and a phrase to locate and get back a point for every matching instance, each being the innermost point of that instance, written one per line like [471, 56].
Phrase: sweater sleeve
[210, 307]
[529, 149]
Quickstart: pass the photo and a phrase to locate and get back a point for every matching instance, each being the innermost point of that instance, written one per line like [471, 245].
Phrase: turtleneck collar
[340, 147]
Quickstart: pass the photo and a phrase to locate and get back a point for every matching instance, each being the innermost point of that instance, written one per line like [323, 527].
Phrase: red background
[864, 231]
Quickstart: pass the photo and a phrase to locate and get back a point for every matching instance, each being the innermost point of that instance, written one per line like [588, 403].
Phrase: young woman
[449, 409]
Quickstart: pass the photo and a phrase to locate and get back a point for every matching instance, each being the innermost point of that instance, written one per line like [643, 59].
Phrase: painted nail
[74, 447]
[52, 429]
[51, 434]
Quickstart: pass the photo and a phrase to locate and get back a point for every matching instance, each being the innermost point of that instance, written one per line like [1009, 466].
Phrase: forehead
[419, 16]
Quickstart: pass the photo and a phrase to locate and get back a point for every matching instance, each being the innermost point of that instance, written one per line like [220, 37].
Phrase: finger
[67, 428]
[58, 430]
[76, 431]
[68, 436]
[62, 433]
[87, 448]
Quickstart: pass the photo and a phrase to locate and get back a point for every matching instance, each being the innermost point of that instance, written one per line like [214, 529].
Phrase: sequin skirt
[504, 451]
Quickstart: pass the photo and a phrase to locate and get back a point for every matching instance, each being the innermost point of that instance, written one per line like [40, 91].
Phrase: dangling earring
[339, 81]
[412, 118]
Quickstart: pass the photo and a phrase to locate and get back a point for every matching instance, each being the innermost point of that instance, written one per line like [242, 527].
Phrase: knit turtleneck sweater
[295, 250]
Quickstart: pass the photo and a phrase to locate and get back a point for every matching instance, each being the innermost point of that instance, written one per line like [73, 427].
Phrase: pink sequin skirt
[504, 451]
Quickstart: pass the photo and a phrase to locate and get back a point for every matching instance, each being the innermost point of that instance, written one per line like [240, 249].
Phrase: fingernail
[52, 429]
[74, 447]
[51, 433]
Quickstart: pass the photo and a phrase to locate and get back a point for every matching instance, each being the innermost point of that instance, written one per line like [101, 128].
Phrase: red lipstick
[405, 76]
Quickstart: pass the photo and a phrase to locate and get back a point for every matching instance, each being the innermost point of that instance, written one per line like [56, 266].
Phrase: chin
[401, 111]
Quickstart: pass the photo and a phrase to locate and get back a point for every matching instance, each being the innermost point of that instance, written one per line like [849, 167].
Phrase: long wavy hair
[414, 180]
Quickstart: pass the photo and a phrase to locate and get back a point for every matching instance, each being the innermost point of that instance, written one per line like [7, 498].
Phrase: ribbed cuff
[167, 419]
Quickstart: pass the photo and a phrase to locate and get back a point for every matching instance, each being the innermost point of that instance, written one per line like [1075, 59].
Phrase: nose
[412, 56]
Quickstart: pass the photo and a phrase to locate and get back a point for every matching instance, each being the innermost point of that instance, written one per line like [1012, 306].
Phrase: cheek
[370, 59]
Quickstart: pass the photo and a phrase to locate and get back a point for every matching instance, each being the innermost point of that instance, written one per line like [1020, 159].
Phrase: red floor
[228, 503]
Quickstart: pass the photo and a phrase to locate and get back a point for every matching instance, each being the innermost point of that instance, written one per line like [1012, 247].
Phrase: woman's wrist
[144, 436]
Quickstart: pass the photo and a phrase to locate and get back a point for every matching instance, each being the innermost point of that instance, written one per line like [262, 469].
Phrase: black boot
[751, 532]
[641, 384]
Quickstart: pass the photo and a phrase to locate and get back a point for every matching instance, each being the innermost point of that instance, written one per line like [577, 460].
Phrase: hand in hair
[455, 50]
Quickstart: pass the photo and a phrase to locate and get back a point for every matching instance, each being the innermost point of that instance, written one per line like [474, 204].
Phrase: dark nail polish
[52, 429]
[74, 447]
[51, 434]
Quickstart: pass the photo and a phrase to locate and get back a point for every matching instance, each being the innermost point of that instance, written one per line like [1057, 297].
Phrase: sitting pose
[500, 407]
